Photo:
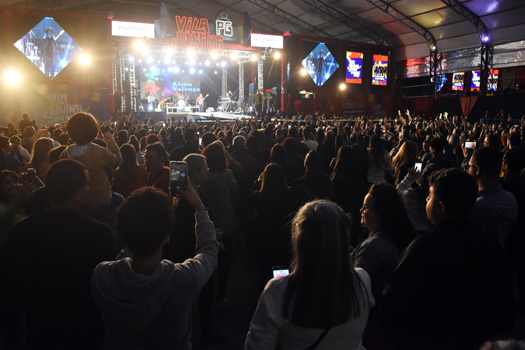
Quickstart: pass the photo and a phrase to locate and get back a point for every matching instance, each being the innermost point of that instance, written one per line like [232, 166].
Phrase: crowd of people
[398, 234]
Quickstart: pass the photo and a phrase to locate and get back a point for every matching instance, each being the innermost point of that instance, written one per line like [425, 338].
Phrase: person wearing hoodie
[145, 302]
[83, 128]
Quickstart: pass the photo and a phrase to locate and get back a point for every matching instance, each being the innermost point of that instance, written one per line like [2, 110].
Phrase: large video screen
[354, 67]
[320, 64]
[458, 80]
[380, 70]
[492, 83]
[49, 47]
[166, 82]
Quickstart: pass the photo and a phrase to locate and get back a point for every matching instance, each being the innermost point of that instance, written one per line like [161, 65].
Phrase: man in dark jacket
[452, 288]
[190, 146]
[314, 184]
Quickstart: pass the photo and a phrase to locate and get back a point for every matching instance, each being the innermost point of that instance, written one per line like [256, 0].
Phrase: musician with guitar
[200, 102]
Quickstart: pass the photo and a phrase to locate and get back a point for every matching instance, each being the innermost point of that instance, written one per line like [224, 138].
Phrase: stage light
[200, 63]
[200, 71]
[169, 52]
[192, 62]
[84, 59]
[183, 71]
[190, 53]
[144, 69]
[485, 38]
[12, 78]
[153, 68]
[217, 64]
[176, 69]
[192, 70]
[131, 59]
[139, 45]
[215, 72]
[303, 71]
[149, 60]
[166, 61]
[342, 86]
[214, 54]
[276, 54]
[169, 69]
[145, 52]
[172, 62]
[234, 55]
[140, 61]
[254, 57]
[127, 69]
[158, 61]
[223, 64]
[433, 48]
[63, 63]
[207, 63]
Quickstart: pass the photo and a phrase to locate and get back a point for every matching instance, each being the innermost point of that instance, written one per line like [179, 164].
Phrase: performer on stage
[151, 100]
[320, 67]
[200, 103]
[50, 51]
[259, 101]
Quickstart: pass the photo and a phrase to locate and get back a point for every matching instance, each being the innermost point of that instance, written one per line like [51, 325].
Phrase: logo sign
[132, 29]
[223, 25]
[195, 32]
[271, 41]
[354, 67]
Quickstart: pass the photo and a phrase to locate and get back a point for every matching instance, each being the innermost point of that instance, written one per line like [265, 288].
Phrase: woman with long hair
[324, 302]
[380, 162]
[404, 160]
[39, 156]
[129, 176]
[390, 231]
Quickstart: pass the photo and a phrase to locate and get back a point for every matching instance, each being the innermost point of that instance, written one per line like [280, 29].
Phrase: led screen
[492, 83]
[354, 67]
[166, 82]
[49, 47]
[457, 81]
[320, 64]
[380, 70]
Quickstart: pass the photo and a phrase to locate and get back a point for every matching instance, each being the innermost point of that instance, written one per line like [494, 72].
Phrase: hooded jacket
[154, 311]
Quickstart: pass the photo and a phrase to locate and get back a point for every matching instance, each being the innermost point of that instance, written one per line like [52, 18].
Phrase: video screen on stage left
[170, 84]
[380, 70]
[320, 64]
[49, 47]
[354, 67]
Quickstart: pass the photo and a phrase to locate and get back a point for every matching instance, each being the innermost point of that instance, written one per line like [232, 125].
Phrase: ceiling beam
[290, 18]
[470, 16]
[347, 21]
[409, 22]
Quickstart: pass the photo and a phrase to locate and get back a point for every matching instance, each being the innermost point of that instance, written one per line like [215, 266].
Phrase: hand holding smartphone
[470, 144]
[178, 177]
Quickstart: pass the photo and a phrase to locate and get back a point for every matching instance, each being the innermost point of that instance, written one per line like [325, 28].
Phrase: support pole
[260, 74]
[241, 85]
[133, 86]
[224, 88]
[487, 58]
[122, 80]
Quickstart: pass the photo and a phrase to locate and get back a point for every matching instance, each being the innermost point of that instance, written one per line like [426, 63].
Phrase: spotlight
[84, 59]
[144, 69]
[485, 38]
[254, 57]
[12, 78]
[183, 71]
[176, 69]
[276, 55]
[166, 61]
[200, 71]
[149, 60]
[158, 61]
[234, 55]
[153, 68]
[217, 64]
[131, 59]
[433, 48]
[207, 63]
[145, 52]
[192, 62]
[342, 86]
[127, 69]
[303, 71]
[169, 69]
[192, 70]
[215, 72]
[223, 64]
[214, 54]
[190, 53]
[169, 52]
[172, 62]
[140, 61]
[139, 45]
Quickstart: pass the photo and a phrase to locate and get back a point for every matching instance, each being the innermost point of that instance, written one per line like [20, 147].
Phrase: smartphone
[279, 271]
[178, 171]
[418, 166]
[470, 144]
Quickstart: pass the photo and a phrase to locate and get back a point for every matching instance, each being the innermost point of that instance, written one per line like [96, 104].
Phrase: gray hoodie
[154, 311]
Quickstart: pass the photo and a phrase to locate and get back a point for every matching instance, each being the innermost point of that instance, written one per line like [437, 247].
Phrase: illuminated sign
[223, 25]
[195, 32]
[457, 81]
[380, 70]
[132, 29]
[492, 83]
[271, 41]
[354, 67]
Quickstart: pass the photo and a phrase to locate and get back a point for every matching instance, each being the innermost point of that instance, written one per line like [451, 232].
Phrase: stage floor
[192, 116]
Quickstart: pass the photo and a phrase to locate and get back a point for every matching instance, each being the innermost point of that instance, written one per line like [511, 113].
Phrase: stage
[192, 116]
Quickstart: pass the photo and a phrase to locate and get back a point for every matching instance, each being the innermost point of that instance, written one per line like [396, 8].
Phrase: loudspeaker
[210, 109]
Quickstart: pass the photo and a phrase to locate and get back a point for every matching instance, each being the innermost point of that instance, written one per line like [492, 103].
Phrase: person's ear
[441, 207]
